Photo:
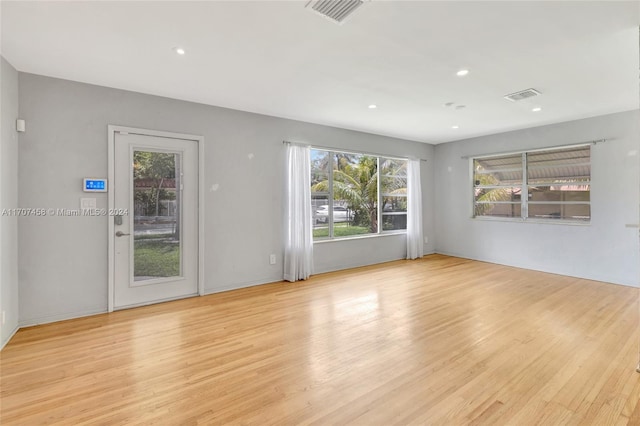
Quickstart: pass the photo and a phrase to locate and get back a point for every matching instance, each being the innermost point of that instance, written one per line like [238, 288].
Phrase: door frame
[112, 130]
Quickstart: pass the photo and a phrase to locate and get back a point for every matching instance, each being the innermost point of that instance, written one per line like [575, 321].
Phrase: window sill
[535, 221]
[360, 237]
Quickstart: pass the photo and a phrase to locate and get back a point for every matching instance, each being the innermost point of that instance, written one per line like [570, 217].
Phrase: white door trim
[112, 130]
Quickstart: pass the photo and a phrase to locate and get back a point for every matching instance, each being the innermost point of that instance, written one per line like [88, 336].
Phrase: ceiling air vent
[523, 94]
[335, 10]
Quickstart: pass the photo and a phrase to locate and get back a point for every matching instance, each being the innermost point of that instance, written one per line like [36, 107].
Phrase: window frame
[330, 202]
[525, 186]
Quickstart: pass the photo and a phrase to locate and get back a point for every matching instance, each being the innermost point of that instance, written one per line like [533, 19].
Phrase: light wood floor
[441, 341]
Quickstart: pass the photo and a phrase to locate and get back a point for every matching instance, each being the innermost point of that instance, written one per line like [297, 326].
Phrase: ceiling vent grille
[335, 10]
[523, 94]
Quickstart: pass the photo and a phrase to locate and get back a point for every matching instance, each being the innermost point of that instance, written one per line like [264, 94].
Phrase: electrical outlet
[3, 317]
[426, 240]
[272, 259]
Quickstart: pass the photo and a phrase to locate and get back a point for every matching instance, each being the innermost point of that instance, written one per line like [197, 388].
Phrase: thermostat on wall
[94, 185]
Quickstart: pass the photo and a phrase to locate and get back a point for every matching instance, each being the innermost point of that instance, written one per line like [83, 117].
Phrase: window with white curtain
[357, 194]
[552, 184]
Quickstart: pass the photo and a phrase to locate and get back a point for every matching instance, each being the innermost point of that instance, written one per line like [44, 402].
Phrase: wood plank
[440, 340]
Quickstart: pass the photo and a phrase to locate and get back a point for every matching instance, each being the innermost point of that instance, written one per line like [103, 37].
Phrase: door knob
[121, 234]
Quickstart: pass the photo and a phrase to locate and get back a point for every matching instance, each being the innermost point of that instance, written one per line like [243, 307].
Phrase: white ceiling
[278, 58]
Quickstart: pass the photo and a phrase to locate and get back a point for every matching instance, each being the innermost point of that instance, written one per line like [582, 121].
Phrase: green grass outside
[156, 259]
[341, 230]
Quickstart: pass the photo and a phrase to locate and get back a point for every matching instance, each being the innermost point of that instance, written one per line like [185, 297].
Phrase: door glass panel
[156, 224]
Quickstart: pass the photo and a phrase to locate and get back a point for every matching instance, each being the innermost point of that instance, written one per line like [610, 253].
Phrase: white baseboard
[238, 286]
[603, 279]
[13, 333]
[30, 322]
[343, 266]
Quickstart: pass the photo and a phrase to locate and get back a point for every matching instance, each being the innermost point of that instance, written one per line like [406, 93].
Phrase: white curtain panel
[298, 252]
[415, 247]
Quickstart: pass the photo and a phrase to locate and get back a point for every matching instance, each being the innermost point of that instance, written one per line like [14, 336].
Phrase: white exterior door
[155, 238]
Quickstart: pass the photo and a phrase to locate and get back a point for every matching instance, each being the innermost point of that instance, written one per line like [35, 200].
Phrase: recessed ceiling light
[455, 126]
[462, 73]
[461, 106]
[180, 50]
[373, 106]
[536, 109]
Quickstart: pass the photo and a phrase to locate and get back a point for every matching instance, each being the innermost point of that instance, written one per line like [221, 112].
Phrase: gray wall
[63, 260]
[605, 250]
[8, 200]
